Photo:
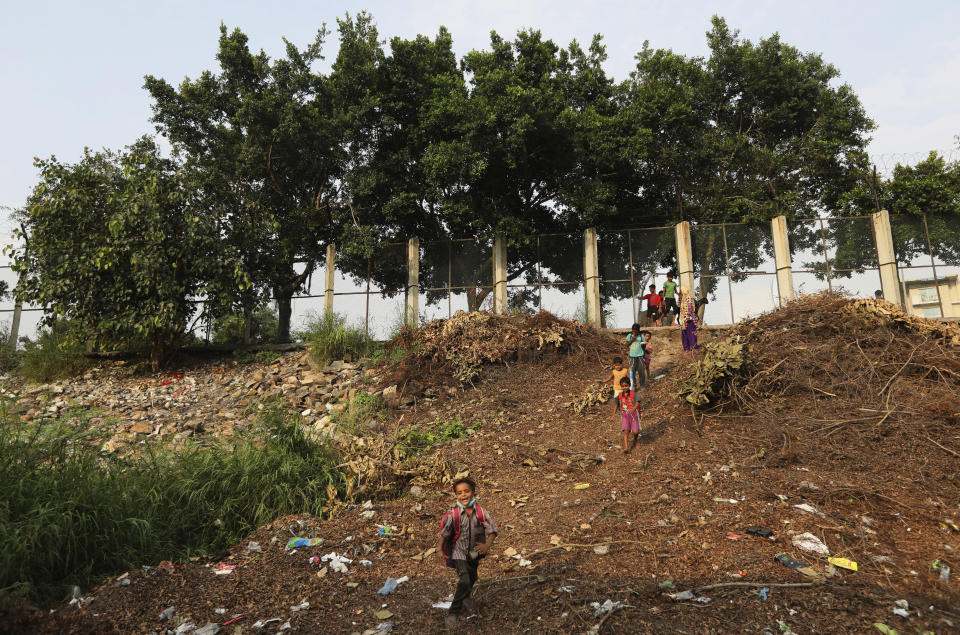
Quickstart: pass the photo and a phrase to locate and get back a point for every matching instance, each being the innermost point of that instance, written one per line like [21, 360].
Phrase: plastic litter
[732, 535]
[688, 596]
[599, 610]
[810, 509]
[810, 543]
[367, 514]
[384, 627]
[233, 620]
[167, 613]
[386, 530]
[224, 569]
[253, 547]
[883, 628]
[264, 623]
[366, 563]
[186, 627]
[208, 629]
[581, 486]
[337, 562]
[843, 563]
[444, 605]
[601, 550]
[384, 614]
[762, 532]
[732, 501]
[391, 585]
[303, 542]
[300, 607]
[800, 567]
[764, 593]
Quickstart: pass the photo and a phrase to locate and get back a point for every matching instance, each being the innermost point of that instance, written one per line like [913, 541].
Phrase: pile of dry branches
[461, 345]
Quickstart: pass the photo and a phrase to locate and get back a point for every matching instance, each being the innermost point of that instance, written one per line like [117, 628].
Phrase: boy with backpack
[466, 535]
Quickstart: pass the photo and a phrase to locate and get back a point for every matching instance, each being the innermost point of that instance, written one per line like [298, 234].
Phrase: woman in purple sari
[688, 320]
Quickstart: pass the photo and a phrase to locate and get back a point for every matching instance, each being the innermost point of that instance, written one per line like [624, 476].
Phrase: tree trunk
[475, 298]
[247, 324]
[705, 269]
[284, 311]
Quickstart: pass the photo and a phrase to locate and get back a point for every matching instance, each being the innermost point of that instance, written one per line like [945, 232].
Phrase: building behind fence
[599, 275]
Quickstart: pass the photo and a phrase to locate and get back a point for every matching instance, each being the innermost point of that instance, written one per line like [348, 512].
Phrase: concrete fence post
[681, 233]
[886, 259]
[781, 254]
[591, 277]
[15, 326]
[329, 271]
[500, 274]
[412, 309]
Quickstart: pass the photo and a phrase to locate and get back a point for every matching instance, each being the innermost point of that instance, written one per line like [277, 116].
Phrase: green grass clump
[73, 514]
[55, 354]
[359, 410]
[329, 337]
[419, 439]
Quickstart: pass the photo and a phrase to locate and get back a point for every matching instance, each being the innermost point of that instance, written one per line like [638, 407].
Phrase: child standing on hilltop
[653, 305]
[466, 535]
[636, 342]
[669, 300]
[629, 413]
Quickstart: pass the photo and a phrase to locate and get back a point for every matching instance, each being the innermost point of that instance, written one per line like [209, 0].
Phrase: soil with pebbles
[591, 523]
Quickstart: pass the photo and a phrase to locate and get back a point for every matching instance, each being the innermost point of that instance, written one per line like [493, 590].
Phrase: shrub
[263, 327]
[359, 410]
[71, 514]
[419, 439]
[330, 337]
[56, 353]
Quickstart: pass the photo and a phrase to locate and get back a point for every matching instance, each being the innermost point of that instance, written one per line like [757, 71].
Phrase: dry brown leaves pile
[461, 345]
[592, 396]
[845, 373]
[378, 468]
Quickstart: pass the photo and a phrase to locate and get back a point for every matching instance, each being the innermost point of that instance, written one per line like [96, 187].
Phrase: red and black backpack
[452, 540]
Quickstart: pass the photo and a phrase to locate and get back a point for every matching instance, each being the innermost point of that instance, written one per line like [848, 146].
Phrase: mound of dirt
[459, 347]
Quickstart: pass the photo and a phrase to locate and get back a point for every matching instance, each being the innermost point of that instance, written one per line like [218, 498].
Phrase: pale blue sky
[71, 72]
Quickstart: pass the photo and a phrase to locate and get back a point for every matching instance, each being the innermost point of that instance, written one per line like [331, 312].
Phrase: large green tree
[754, 131]
[118, 245]
[269, 138]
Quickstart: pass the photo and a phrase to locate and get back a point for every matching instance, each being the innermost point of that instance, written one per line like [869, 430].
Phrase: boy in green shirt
[670, 303]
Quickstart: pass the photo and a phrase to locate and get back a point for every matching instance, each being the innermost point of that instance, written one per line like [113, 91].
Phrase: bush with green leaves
[71, 514]
[228, 329]
[330, 337]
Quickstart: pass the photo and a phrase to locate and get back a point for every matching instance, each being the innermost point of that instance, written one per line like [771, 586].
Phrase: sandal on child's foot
[470, 605]
[450, 622]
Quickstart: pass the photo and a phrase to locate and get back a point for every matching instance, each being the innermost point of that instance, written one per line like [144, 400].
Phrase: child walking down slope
[629, 411]
[466, 535]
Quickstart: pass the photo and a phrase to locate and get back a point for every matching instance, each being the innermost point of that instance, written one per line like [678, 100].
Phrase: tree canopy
[274, 159]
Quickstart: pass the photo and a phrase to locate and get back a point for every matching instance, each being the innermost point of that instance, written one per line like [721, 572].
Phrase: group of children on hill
[627, 380]
[663, 304]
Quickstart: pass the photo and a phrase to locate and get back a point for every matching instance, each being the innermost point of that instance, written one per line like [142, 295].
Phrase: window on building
[931, 313]
[927, 295]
